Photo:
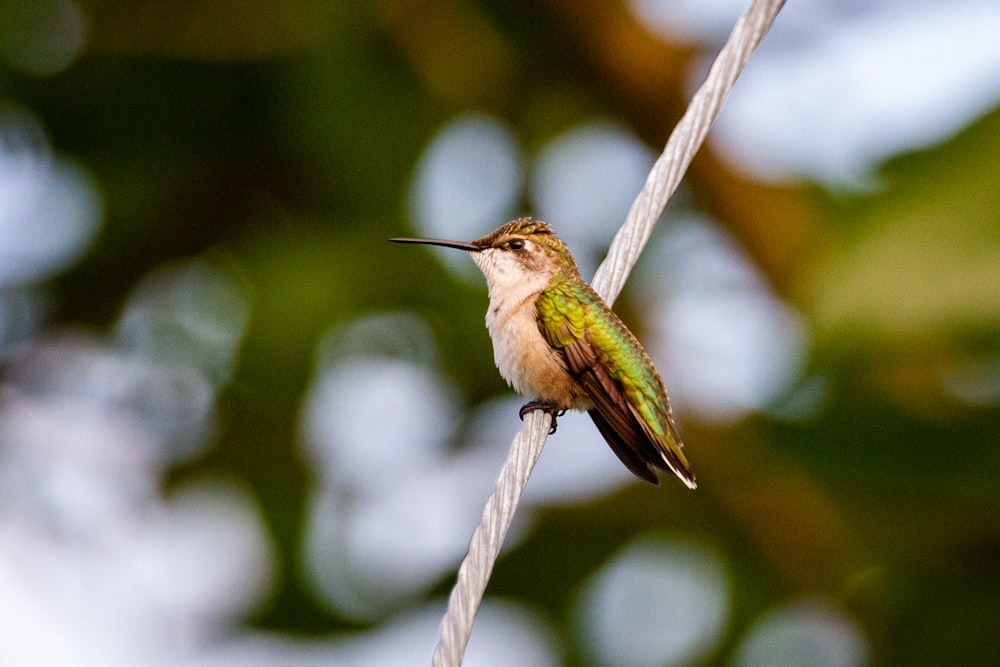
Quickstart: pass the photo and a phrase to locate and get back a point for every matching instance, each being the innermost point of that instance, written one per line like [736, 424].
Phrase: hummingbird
[558, 343]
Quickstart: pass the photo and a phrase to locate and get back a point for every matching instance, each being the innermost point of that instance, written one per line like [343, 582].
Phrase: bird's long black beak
[461, 245]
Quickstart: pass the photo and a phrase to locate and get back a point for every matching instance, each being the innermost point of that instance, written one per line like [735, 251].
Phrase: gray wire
[474, 573]
[681, 147]
[663, 179]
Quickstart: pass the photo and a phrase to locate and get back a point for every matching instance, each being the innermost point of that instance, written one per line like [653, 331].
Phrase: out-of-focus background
[238, 427]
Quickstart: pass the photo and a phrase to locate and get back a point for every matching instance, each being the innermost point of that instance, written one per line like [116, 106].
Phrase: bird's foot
[552, 410]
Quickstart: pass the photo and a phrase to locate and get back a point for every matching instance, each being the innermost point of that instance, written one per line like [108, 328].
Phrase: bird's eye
[516, 245]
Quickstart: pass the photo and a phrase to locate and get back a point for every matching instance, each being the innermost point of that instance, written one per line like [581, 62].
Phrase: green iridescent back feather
[570, 310]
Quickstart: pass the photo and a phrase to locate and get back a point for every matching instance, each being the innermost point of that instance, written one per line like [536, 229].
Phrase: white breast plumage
[523, 356]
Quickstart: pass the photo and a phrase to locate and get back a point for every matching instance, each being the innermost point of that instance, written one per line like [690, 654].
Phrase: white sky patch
[837, 87]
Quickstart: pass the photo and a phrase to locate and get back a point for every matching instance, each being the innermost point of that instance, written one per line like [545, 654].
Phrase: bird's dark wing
[612, 414]
[630, 407]
[625, 450]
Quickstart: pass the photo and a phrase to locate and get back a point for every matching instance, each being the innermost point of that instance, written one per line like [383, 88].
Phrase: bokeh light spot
[803, 634]
[584, 182]
[401, 416]
[974, 381]
[22, 310]
[466, 183]
[41, 37]
[207, 553]
[657, 602]
[725, 343]
[688, 20]
[188, 314]
[49, 207]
